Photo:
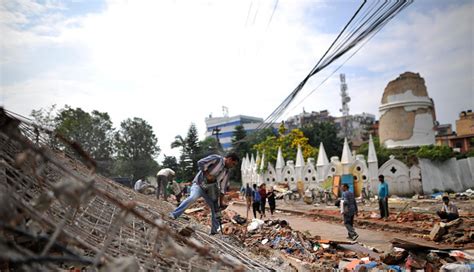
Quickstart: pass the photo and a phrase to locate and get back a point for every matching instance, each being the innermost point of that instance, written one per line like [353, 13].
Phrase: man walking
[163, 177]
[256, 201]
[349, 210]
[210, 183]
[383, 197]
[248, 198]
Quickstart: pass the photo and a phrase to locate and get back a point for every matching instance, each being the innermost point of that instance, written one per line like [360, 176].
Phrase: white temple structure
[402, 180]
[307, 175]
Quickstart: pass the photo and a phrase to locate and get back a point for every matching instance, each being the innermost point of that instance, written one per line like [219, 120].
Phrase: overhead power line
[367, 21]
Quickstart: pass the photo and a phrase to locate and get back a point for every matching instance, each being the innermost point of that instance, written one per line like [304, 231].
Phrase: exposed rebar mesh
[57, 213]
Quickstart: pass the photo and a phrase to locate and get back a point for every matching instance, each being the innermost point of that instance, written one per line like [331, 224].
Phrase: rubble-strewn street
[414, 217]
[57, 214]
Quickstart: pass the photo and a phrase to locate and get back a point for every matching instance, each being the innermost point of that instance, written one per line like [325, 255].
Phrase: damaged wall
[407, 114]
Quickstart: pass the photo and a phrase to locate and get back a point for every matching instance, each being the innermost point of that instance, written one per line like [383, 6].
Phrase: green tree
[240, 145]
[209, 146]
[170, 162]
[46, 118]
[179, 142]
[189, 153]
[326, 133]
[192, 147]
[136, 146]
[435, 152]
[93, 131]
[288, 143]
[259, 136]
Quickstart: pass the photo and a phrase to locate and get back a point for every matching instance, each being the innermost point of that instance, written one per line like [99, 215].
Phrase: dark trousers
[349, 224]
[256, 208]
[383, 207]
[272, 206]
[178, 198]
[447, 216]
[263, 202]
[162, 184]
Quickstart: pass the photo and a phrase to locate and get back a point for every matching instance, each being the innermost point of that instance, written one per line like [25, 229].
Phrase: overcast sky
[173, 63]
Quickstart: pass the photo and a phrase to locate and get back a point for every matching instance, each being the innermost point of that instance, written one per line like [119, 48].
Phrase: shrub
[435, 153]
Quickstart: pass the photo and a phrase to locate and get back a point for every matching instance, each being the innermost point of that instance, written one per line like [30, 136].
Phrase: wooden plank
[412, 244]
[189, 211]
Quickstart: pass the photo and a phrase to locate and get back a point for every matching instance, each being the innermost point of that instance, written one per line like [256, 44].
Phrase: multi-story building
[306, 118]
[465, 123]
[463, 139]
[444, 129]
[223, 127]
[355, 128]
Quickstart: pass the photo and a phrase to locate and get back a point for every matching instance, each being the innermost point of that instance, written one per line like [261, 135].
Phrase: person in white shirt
[163, 177]
[140, 185]
[449, 211]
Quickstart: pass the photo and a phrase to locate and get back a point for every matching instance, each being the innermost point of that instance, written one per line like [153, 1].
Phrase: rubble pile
[412, 256]
[275, 236]
[263, 237]
[468, 194]
[56, 213]
[418, 222]
[458, 232]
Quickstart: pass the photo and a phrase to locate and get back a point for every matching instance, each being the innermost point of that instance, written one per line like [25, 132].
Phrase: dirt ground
[328, 230]
[413, 218]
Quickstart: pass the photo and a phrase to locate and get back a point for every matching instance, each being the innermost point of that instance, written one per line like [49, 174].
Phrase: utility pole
[216, 131]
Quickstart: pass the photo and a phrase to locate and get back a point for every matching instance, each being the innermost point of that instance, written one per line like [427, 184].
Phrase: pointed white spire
[372, 156]
[280, 163]
[299, 158]
[243, 166]
[322, 157]
[257, 161]
[262, 162]
[346, 157]
[252, 162]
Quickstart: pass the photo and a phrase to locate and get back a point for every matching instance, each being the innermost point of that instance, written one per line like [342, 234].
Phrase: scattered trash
[239, 219]
[374, 215]
[457, 267]
[255, 224]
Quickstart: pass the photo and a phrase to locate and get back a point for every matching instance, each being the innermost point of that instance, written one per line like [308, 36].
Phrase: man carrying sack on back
[210, 183]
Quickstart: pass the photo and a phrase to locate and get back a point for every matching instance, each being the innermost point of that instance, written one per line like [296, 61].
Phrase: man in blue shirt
[383, 197]
[349, 210]
[210, 183]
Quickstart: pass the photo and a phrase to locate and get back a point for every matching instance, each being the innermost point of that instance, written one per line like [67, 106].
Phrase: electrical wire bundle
[363, 25]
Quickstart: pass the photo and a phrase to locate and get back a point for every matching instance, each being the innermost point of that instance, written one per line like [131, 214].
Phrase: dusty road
[332, 231]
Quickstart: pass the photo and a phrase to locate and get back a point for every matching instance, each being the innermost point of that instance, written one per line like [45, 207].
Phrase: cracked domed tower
[407, 114]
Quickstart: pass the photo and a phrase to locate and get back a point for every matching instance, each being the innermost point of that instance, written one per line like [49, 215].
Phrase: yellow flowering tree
[289, 145]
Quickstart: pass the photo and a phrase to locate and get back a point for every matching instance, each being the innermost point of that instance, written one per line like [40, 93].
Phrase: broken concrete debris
[455, 232]
[58, 214]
